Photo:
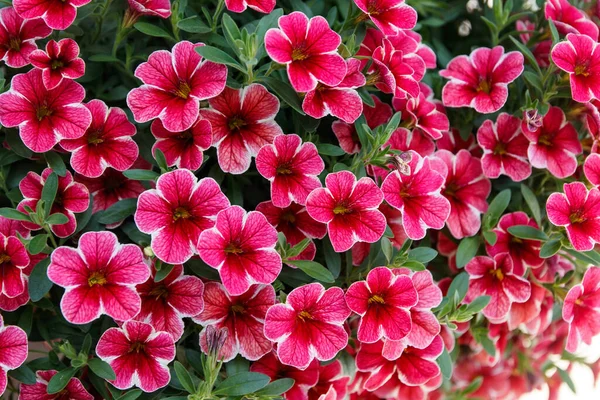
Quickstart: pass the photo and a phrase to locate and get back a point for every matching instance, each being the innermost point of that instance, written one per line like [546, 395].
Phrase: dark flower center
[500, 149]
[137, 347]
[233, 248]
[236, 123]
[95, 138]
[288, 217]
[97, 278]
[299, 54]
[451, 189]
[377, 299]
[342, 208]
[14, 43]
[284, 169]
[577, 217]
[4, 258]
[546, 140]
[181, 212]
[43, 111]
[238, 309]
[304, 315]
[186, 136]
[56, 64]
[159, 292]
[485, 86]
[183, 90]
[497, 273]
[582, 70]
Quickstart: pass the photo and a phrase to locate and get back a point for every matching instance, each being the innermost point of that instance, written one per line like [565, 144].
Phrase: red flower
[18, 36]
[521, 314]
[183, 149]
[453, 142]
[578, 210]
[241, 247]
[243, 121]
[467, 189]
[331, 377]
[481, 80]
[14, 259]
[308, 325]
[243, 317]
[39, 390]
[405, 140]
[157, 8]
[417, 196]
[71, 197]
[57, 15]
[291, 167]
[390, 16]
[138, 354]
[60, 60]
[177, 211]
[13, 350]
[341, 101]
[579, 56]
[99, 277]
[238, 6]
[349, 208]
[495, 278]
[309, 50]
[504, 148]
[382, 301]
[581, 310]
[422, 113]
[106, 143]
[166, 302]
[44, 117]
[174, 84]
[591, 168]
[569, 19]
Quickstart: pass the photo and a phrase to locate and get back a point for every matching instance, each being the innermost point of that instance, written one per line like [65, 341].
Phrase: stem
[51, 236]
[218, 11]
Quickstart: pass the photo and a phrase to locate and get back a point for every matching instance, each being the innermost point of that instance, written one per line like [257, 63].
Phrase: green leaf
[414, 265]
[16, 145]
[151, 30]
[313, 269]
[11, 213]
[473, 386]
[101, 368]
[164, 271]
[298, 248]
[103, 58]
[564, 375]
[39, 284]
[25, 321]
[532, 203]
[232, 32]
[554, 31]
[23, 374]
[327, 149]
[49, 192]
[550, 248]
[161, 161]
[490, 237]
[57, 219]
[276, 388]
[285, 92]
[333, 260]
[37, 244]
[497, 207]
[387, 249]
[459, 285]
[118, 211]
[132, 395]
[141, 174]
[219, 56]
[56, 163]
[527, 232]
[467, 249]
[528, 54]
[422, 254]
[242, 384]
[60, 380]
[593, 255]
[445, 363]
[478, 304]
[184, 377]
[193, 25]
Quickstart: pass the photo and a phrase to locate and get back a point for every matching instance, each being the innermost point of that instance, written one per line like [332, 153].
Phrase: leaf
[23, 374]
[490, 237]
[37, 244]
[422, 254]
[103, 58]
[313, 269]
[532, 203]
[459, 285]
[285, 92]
[11, 213]
[151, 30]
[299, 248]
[49, 192]
[528, 54]
[39, 284]
[387, 249]
[60, 380]
[554, 31]
[101, 368]
[242, 384]
[333, 260]
[527, 232]
[467, 249]
[327, 149]
[219, 56]
[478, 304]
[161, 274]
[16, 145]
[118, 211]
[497, 207]
[564, 375]
[57, 219]
[231, 31]
[56, 163]
[414, 265]
[132, 395]
[445, 363]
[161, 161]
[550, 248]
[141, 174]
[193, 25]
[276, 388]
[184, 377]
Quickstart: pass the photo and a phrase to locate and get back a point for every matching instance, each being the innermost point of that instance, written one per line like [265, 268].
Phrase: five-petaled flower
[99, 277]
[13, 350]
[39, 390]
[581, 310]
[238, 6]
[57, 15]
[390, 16]
[59, 61]
[424, 114]
[570, 19]
[157, 8]
[18, 36]
[13, 260]
[183, 149]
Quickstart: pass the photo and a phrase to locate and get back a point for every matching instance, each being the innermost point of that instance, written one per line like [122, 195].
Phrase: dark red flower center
[373, 78]
[181, 212]
[4, 258]
[376, 299]
[500, 149]
[238, 309]
[56, 64]
[284, 169]
[497, 274]
[451, 189]
[342, 208]
[43, 111]
[233, 248]
[299, 53]
[288, 217]
[183, 90]
[97, 278]
[159, 292]
[95, 137]
[14, 43]
[304, 315]
[236, 123]
[137, 347]
[485, 86]
[582, 70]
[545, 139]
[186, 136]
[577, 217]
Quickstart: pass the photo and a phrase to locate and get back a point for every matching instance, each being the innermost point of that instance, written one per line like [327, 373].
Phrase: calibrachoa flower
[417, 196]
[309, 50]
[308, 325]
[166, 302]
[570, 19]
[13, 259]
[56, 14]
[99, 277]
[504, 148]
[578, 210]
[183, 149]
[158, 8]
[423, 115]
[241, 246]
[453, 142]
[174, 84]
[349, 208]
[581, 310]
[39, 390]
[382, 301]
[177, 211]
[71, 197]
[60, 60]
[292, 168]
[138, 354]
[579, 56]
[331, 377]
[238, 6]
[13, 350]
[243, 316]
[106, 143]
[18, 36]
[480, 80]
[390, 16]
[243, 121]
[495, 278]
[591, 168]
[44, 117]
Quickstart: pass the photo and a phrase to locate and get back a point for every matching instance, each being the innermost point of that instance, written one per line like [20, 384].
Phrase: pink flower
[309, 50]
[106, 143]
[44, 117]
[183, 149]
[581, 310]
[243, 121]
[382, 301]
[138, 354]
[60, 60]
[349, 208]
[99, 277]
[418, 197]
[309, 325]
[241, 247]
[39, 390]
[71, 197]
[495, 278]
[480, 81]
[177, 211]
[155, 8]
[405, 140]
[243, 316]
[57, 15]
[579, 56]
[423, 114]
[18, 36]
[238, 6]
[554, 145]
[291, 167]
[13, 350]
[591, 168]
[467, 190]
[167, 302]
[331, 378]
[521, 314]
[13, 259]
[504, 148]
[569, 19]
[341, 101]
[174, 84]
[578, 210]
[390, 16]
[524, 253]
[453, 142]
